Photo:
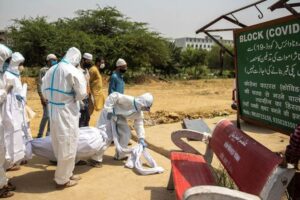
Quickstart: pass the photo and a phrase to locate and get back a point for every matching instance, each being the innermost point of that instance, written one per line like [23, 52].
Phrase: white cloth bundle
[91, 140]
[134, 159]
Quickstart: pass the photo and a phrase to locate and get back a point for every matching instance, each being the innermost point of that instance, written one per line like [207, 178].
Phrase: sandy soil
[173, 101]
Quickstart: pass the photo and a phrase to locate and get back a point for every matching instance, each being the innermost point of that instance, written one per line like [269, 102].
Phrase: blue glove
[142, 142]
[19, 98]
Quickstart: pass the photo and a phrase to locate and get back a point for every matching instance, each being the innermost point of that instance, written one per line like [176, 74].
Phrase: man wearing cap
[86, 64]
[51, 60]
[116, 83]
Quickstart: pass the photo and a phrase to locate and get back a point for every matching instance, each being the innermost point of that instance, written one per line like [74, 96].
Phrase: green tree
[213, 58]
[193, 58]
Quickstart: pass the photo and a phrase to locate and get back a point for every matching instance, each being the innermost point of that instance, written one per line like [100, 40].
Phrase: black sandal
[4, 193]
[10, 187]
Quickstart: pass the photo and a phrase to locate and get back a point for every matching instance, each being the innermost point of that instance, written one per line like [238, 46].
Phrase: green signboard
[268, 73]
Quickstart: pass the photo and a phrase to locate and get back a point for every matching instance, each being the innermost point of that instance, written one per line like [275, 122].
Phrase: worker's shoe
[5, 193]
[81, 162]
[53, 162]
[95, 163]
[75, 178]
[71, 183]
[121, 158]
[10, 187]
[14, 168]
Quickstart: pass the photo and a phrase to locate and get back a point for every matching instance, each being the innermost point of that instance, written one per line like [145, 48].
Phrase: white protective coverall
[13, 113]
[94, 140]
[124, 107]
[5, 53]
[64, 86]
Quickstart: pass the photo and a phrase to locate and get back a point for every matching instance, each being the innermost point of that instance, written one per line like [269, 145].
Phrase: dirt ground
[173, 101]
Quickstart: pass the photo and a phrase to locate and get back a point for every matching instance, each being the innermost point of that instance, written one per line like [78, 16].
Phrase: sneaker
[95, 163]
[75, 178]
[4, 193]
[71, 183]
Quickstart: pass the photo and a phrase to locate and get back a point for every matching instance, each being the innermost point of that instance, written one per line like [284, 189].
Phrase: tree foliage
[108, 33]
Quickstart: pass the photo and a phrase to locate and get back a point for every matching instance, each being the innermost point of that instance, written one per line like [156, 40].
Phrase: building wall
[200, 43]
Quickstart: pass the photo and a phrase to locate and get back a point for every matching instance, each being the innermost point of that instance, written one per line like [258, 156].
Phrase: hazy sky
[171, 18]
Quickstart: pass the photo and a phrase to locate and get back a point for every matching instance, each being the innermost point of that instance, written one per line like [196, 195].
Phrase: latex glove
[19, 98]
[8, 88]
[142, 142]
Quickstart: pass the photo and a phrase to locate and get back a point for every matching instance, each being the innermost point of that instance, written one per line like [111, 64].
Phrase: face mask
[123, 70]
[102, 66]
[87, 65]
[53, 62]
[21, 68]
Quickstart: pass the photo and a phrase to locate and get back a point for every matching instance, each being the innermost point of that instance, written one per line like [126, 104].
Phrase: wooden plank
[196, 125]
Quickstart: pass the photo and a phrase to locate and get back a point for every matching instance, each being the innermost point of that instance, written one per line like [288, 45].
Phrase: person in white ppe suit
[120, 107]
[64, 86]
[5, 56]
[13, 112]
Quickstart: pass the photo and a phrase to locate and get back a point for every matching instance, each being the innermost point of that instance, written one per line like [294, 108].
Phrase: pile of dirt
[147, 79]
[165, 117]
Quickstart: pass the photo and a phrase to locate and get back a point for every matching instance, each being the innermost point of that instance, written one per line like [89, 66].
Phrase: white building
[200, 43]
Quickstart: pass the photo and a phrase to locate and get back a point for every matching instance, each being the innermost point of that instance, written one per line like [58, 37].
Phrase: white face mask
[102, 66]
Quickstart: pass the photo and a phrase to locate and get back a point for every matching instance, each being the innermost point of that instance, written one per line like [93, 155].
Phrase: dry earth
[173, 101]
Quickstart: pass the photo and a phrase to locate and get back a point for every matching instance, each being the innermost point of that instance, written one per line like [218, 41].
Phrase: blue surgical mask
[53, 62]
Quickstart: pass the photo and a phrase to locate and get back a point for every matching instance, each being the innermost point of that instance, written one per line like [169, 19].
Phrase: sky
[171, 18]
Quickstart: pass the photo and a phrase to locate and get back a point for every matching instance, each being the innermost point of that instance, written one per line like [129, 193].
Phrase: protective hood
[5, 53]
[16, 59]
[144, 101]
[73, 56]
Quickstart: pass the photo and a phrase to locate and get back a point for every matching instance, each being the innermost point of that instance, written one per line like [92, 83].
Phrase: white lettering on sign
[273, 45]
[232, 151]
[251, 36]
[264, 101]
[289, 88]
[295, 116]
[282, 30]
[261, 116]
[236, 137]
[264, 108]
[284, 123]
[256, 93]
[267, 86]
